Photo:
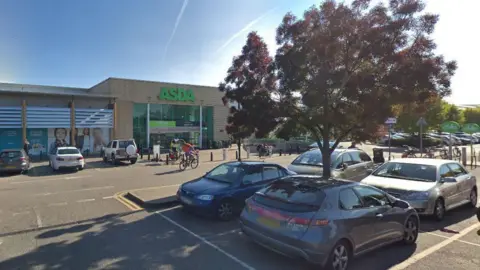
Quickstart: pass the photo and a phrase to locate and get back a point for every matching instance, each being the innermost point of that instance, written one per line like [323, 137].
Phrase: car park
[351, 164]
[66, 158]
[326, 222]
[14, 160]
[222, 191]
[431, 186]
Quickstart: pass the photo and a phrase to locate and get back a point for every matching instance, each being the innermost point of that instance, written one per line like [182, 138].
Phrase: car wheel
[225, 210]
[340, 256]
[439, 210]
[410, 231]
[113, 160]
[133, 161]
[105, 159]
[473, 197]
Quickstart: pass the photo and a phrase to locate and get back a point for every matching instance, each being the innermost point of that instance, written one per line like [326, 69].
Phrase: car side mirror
[400, 204]
[448, 180]
[369, 171]
[247, 182]
[344, 166]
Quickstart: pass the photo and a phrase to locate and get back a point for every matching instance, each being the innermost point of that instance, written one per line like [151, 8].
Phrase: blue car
[222, 191]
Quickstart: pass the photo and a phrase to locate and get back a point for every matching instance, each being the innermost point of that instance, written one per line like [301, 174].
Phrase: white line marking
[75, 190]
[21, 213]
[86, 200]
[223, 233]
[108, 197]
[51, 179]
[417, 257]
[242, 263]
[458, 240]
[57, 204]
[39, 220]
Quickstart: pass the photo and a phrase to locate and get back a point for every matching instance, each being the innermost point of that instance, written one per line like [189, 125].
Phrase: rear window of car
[313, 158]
[10, 154]
[68, 151]
[292, 196]
[124, 144]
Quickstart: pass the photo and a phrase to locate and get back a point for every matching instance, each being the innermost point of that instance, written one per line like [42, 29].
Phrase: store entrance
[164, 139]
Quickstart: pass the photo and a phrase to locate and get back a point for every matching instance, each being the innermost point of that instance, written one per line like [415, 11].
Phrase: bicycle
[191, 161]
[456, 153]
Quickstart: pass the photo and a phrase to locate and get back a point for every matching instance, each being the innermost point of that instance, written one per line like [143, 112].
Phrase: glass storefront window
[140, 124]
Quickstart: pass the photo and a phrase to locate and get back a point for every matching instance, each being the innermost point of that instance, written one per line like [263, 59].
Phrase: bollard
[156, 157]
[464, 156]
[148, 155]
[280, 152]
[141, 153]
[211, 156]
[167, 159]
[224, 154]
[248, 152]
[236, 155]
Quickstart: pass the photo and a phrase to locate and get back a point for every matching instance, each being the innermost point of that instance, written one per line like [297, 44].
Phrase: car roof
[424, 161]
[337, 150]
[66, 147]
[319, 182]
[250, 163]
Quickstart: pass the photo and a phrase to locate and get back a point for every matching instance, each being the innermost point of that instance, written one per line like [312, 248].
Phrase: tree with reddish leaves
[247, 91]
[342, 67]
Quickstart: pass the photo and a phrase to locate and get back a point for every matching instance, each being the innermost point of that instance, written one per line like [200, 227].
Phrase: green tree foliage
[472, 115]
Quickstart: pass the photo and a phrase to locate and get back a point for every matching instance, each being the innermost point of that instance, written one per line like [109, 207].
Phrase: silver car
[350, 164]
[326, 222]
[431, 186]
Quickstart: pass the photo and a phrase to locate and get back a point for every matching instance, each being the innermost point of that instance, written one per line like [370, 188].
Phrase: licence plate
[268, 222]
[185, 200]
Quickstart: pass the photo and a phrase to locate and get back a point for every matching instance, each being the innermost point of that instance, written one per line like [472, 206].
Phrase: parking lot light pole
[200, 136]
[148, 122]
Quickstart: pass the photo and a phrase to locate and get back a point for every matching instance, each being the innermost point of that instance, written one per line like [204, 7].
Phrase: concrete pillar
[24, 121]
[73, 132]
[464, 156]
[113, 134]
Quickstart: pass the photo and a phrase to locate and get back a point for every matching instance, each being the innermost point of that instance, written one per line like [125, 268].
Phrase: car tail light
[302, 224]
[80, 158]
[60, 159]
[22, 159]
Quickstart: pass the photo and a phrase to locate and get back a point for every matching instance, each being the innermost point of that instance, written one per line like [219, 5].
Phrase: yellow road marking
[130, 205]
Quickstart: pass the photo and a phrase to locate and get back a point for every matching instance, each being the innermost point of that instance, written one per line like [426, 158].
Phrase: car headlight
[417, 196]
[205, 197]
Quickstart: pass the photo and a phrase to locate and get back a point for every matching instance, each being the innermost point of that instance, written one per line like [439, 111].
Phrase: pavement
[75, 221]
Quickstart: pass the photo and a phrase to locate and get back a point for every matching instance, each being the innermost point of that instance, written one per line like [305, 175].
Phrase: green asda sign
[176, 94]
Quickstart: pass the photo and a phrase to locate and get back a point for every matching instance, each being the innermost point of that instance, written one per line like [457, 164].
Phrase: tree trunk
[239, 144]
[326, 155]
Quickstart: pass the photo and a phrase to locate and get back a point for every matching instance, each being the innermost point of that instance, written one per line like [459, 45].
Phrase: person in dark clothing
[352, 146]
[26, 146]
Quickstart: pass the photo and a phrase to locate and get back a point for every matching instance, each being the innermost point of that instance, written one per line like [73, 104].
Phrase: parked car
[468, 138]
[414, 140]
[222, 191]
[66, 158]
[14, 160]
[351, 164]
[326, 222]
[120, 150]
[431, 186]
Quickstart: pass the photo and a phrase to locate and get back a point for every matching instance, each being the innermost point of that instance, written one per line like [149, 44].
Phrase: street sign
[450, 127]
[471, 128]
[391, 120]
[421, 122]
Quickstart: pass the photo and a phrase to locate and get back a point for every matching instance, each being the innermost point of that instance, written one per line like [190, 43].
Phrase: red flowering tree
[247, 91]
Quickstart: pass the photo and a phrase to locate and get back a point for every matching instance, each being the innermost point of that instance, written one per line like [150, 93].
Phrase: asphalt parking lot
[83, 227]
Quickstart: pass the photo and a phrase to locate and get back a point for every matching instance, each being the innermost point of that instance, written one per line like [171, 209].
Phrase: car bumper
[283, 248]
[201, 207]
[123, 158]
[71, 164]
[8, 169]
[423, 207]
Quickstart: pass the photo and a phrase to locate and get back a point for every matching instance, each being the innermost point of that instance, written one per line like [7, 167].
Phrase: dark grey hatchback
[14, 160]
[326, 222]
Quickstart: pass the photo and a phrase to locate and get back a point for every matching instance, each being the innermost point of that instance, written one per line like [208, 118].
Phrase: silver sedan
[431, 186]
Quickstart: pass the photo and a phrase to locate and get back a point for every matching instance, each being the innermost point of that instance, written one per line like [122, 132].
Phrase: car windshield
[313, 158]
[70, 151]
[408, 171]
[124, 144]
[227, 173]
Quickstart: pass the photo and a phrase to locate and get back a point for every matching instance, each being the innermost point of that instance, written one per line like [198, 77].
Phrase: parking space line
[205, 241]
[86, 200]
[21, 213]
[75, 190]
[51, 179]
[417, 257]
[108, 197]
[57, 204]
[458, 240]
[39, 220]
[223, 233]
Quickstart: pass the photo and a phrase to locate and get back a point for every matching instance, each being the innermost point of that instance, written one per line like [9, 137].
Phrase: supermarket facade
[150, 112]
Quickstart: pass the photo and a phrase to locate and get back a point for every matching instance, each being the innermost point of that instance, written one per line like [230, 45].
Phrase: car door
[388, 224]
[360, 165]
[251, 182]
[465, 181]
[347, 173]
[357, 219]
[450, 191]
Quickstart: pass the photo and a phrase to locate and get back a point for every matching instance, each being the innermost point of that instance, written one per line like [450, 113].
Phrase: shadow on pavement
[452, 217]
[58, 232]
[169, 172]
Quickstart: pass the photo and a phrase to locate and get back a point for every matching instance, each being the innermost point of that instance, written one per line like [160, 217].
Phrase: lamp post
[148, 121]
[200, 137]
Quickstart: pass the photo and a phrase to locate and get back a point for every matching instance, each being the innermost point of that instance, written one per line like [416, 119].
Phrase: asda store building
[150, 112]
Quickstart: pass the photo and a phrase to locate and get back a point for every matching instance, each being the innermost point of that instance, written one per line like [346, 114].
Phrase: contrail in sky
[177, 21]
[246, 28]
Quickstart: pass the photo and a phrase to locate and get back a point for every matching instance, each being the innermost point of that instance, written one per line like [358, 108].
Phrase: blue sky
[80, 43]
